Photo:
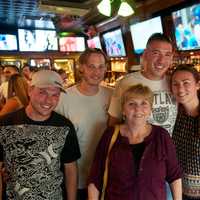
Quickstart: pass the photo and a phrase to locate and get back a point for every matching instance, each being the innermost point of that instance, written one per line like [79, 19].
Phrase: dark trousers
[82, 194]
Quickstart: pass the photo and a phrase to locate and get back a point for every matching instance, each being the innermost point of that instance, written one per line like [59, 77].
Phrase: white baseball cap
[46, 78]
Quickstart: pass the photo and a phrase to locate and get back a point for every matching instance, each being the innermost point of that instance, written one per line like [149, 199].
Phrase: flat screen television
[114, 43]
[8, 42]
[94, 42]
[140, 32]
[187, 27]
[40, 62]
[11, 61]
[72, 44]
[37, 40]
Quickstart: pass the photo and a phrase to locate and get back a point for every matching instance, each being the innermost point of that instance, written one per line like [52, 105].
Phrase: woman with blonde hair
[17, 94]
[140, 160]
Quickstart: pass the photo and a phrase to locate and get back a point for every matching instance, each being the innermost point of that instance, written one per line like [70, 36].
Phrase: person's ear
[143, 59]
[30, 89]
[80, 68]
[143, 56]
[198, 85]
[123, 112]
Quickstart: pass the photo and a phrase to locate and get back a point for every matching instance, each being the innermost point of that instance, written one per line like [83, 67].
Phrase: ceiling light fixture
[104, 7]
[125, 9]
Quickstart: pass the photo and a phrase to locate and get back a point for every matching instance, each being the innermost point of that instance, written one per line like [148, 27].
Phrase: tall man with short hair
[86, 105]
[39, 145]
[156, 60]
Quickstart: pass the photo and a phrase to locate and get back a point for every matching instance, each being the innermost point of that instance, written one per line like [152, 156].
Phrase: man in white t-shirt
[156, 60]
[86, 105]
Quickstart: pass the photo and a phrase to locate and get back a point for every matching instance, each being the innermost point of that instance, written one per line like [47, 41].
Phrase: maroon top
[158, 164]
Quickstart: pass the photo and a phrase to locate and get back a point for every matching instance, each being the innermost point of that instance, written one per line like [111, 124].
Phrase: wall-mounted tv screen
[72, 44]
[40, 62]
[8, 42]
[11, 61]
[141, 32]
[94, 42]
[114, 44]
[39, 24]
[37, 40]
[187, 27]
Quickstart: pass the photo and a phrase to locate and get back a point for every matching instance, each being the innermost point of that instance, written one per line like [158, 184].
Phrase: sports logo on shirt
[161, 114]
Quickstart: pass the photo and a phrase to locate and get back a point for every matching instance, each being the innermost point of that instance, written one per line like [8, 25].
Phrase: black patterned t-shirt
[34, 153]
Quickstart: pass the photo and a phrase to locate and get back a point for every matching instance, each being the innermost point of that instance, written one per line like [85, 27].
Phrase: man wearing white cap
[39, 145]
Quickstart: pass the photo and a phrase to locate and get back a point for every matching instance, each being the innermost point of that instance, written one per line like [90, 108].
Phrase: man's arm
[176, 189]
[71, 180]
[93, 192]
[113, 121]
[11, 105]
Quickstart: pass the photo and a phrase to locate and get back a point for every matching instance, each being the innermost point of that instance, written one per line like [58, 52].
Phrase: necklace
[136, 136]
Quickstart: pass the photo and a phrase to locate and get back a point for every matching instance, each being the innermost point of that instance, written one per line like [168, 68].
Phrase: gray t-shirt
[164, 110]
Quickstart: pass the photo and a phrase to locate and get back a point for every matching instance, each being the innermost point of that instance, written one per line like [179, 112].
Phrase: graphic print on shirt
[33, 161]
[164, 110]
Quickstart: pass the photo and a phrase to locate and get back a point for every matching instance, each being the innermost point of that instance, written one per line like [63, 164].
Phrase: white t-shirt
[89, 114]
[164, 107]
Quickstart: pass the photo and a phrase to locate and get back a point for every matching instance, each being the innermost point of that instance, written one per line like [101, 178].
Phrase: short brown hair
[85, 55]
[135, 91]
[188, 68]
[158, 37]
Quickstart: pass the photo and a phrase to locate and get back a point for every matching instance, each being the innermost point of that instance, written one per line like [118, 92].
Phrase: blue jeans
[168, 190]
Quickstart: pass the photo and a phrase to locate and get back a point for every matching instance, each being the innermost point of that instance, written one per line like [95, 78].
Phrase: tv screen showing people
[94, 42]
[37, 40]
[8, 42]
[72, 44]
[114, 44]
[140, 32]
[187, 27]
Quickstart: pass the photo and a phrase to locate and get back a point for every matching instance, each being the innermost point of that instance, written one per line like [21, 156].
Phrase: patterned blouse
[186, 136]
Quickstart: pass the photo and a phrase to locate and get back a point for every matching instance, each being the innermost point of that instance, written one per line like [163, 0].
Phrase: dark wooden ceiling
[64, 14]
[22, 13]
